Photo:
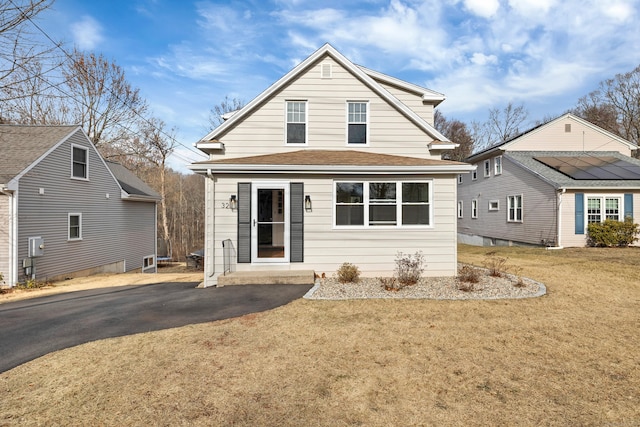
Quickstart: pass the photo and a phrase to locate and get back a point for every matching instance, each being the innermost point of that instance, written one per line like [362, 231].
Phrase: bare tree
[102, 99]
[617, 97]
[504, 124]
[216, 115]
[457, 132]
[18, 47]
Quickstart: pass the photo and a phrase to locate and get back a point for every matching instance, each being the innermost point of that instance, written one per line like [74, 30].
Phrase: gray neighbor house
[66, 212]
[544, 186]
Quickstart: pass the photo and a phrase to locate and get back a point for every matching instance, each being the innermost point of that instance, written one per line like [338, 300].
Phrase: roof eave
[329, 169]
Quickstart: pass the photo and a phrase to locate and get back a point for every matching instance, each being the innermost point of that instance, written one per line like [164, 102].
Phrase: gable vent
[567, 127]
[325, 70]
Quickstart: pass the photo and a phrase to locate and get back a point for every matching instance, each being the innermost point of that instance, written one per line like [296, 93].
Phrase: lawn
[568, 358]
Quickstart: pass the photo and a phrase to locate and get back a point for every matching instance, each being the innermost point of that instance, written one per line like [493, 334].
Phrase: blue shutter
[244, 222]
[296, 253]
[628, 206]
[579, 213]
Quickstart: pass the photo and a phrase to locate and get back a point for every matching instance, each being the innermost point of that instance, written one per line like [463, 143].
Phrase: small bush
[348, 273]
[469, 274]
[409, 268]
[612, 233]
[390, 283]
[495, 264]
[517, 271]
[32, 284]
[466, 286]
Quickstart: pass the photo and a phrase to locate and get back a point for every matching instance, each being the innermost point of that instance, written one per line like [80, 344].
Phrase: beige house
[544, 186]
[333, 163]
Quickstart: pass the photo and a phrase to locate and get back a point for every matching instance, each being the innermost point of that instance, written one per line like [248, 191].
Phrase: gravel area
[437, 288]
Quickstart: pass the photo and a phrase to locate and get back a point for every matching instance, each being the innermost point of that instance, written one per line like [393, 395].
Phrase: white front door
[270, 222]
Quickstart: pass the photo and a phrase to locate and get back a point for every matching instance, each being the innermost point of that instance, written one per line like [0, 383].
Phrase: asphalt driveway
[34, 327]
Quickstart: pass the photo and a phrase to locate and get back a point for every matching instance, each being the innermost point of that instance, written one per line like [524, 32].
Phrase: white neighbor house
[332, 163]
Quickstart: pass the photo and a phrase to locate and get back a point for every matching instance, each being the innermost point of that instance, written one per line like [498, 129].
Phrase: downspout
[559, 220]
[211, 220]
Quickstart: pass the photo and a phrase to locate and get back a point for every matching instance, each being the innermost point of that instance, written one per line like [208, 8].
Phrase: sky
[185, 56]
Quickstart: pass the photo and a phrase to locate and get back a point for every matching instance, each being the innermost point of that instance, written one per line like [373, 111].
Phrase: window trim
[286, 122]
[497, 205]
[474, 174]
[497, 165]
[69, 216]
[474, 208]
[460, 209]
[148, 263]
[367, 124]
[487, 168]
[398, 202]
[460, 179]
[510, 200]
[86, 164]
[603, 207]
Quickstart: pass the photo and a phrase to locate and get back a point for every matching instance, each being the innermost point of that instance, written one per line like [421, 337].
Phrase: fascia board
[329, 170]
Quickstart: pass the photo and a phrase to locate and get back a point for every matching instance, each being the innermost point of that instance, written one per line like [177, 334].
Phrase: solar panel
[591, 167]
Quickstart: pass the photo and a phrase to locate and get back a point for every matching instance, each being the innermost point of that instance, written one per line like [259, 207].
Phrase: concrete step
[288, 277]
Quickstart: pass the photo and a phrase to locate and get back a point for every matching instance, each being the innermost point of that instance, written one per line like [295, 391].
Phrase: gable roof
[504, 145]
[134, 187]
[331, 162]
[23, 145]
[527, 160]
[358, 72]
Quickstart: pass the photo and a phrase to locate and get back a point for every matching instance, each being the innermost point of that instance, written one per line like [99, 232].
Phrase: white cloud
[483, 8]
[482, 59]
[620, 11]
[529, 7]
[87, 33]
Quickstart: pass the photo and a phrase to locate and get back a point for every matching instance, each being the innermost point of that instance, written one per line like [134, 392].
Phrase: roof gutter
[329, 169]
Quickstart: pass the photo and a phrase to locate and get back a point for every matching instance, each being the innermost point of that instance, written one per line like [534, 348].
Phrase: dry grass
[568, 358]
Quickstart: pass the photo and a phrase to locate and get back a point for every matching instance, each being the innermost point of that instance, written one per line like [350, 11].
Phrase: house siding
[581, 138]
[539, 224]
[568, 221]
[373, 250]
[114, 232]
[411, 100]
[262, 132]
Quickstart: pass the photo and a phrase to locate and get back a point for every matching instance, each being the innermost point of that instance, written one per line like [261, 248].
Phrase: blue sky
[186, 56]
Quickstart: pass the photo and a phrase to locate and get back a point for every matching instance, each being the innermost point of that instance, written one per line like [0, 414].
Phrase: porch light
[233, 202]
[307, 202]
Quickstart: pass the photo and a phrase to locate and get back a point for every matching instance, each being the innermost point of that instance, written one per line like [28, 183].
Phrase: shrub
[468, 274]
[390, 283]
[348, 273]
[495, 264]
[409, 268]
[612, 233]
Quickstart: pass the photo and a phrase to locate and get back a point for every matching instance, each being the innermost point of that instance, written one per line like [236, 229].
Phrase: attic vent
[325, 70]
[567, 127]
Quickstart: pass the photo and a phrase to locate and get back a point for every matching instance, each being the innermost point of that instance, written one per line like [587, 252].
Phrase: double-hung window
[600, 208]
[296, 132]
[357, 122]
[497, 165]
[474, 208]
[75, 226]
[375, 204]
[487, 168]
[460, 209]
[79, 162]
[514, 208]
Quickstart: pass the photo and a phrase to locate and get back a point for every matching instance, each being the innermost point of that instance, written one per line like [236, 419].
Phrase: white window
[79, 162]
[459, 178]
[374, 204]
[357, 123]
[474, 208]
[460, 209]
[600, 208]
[494, 205]
[474, 174]
[296, 132]
[514, 208]
[497, 165]
[75, 226]
[487, 168]
[148, 263]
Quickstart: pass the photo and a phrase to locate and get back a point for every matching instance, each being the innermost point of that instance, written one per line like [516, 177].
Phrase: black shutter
[297, 222]
[579, 213]
[244, 222]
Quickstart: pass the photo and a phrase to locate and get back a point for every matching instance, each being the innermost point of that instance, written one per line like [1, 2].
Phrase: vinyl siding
[5, 243]
[413, 101]
[263, 131]
[539, 201]
[113, 230]
[569, 238]
[581, 138]
[373, 250]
